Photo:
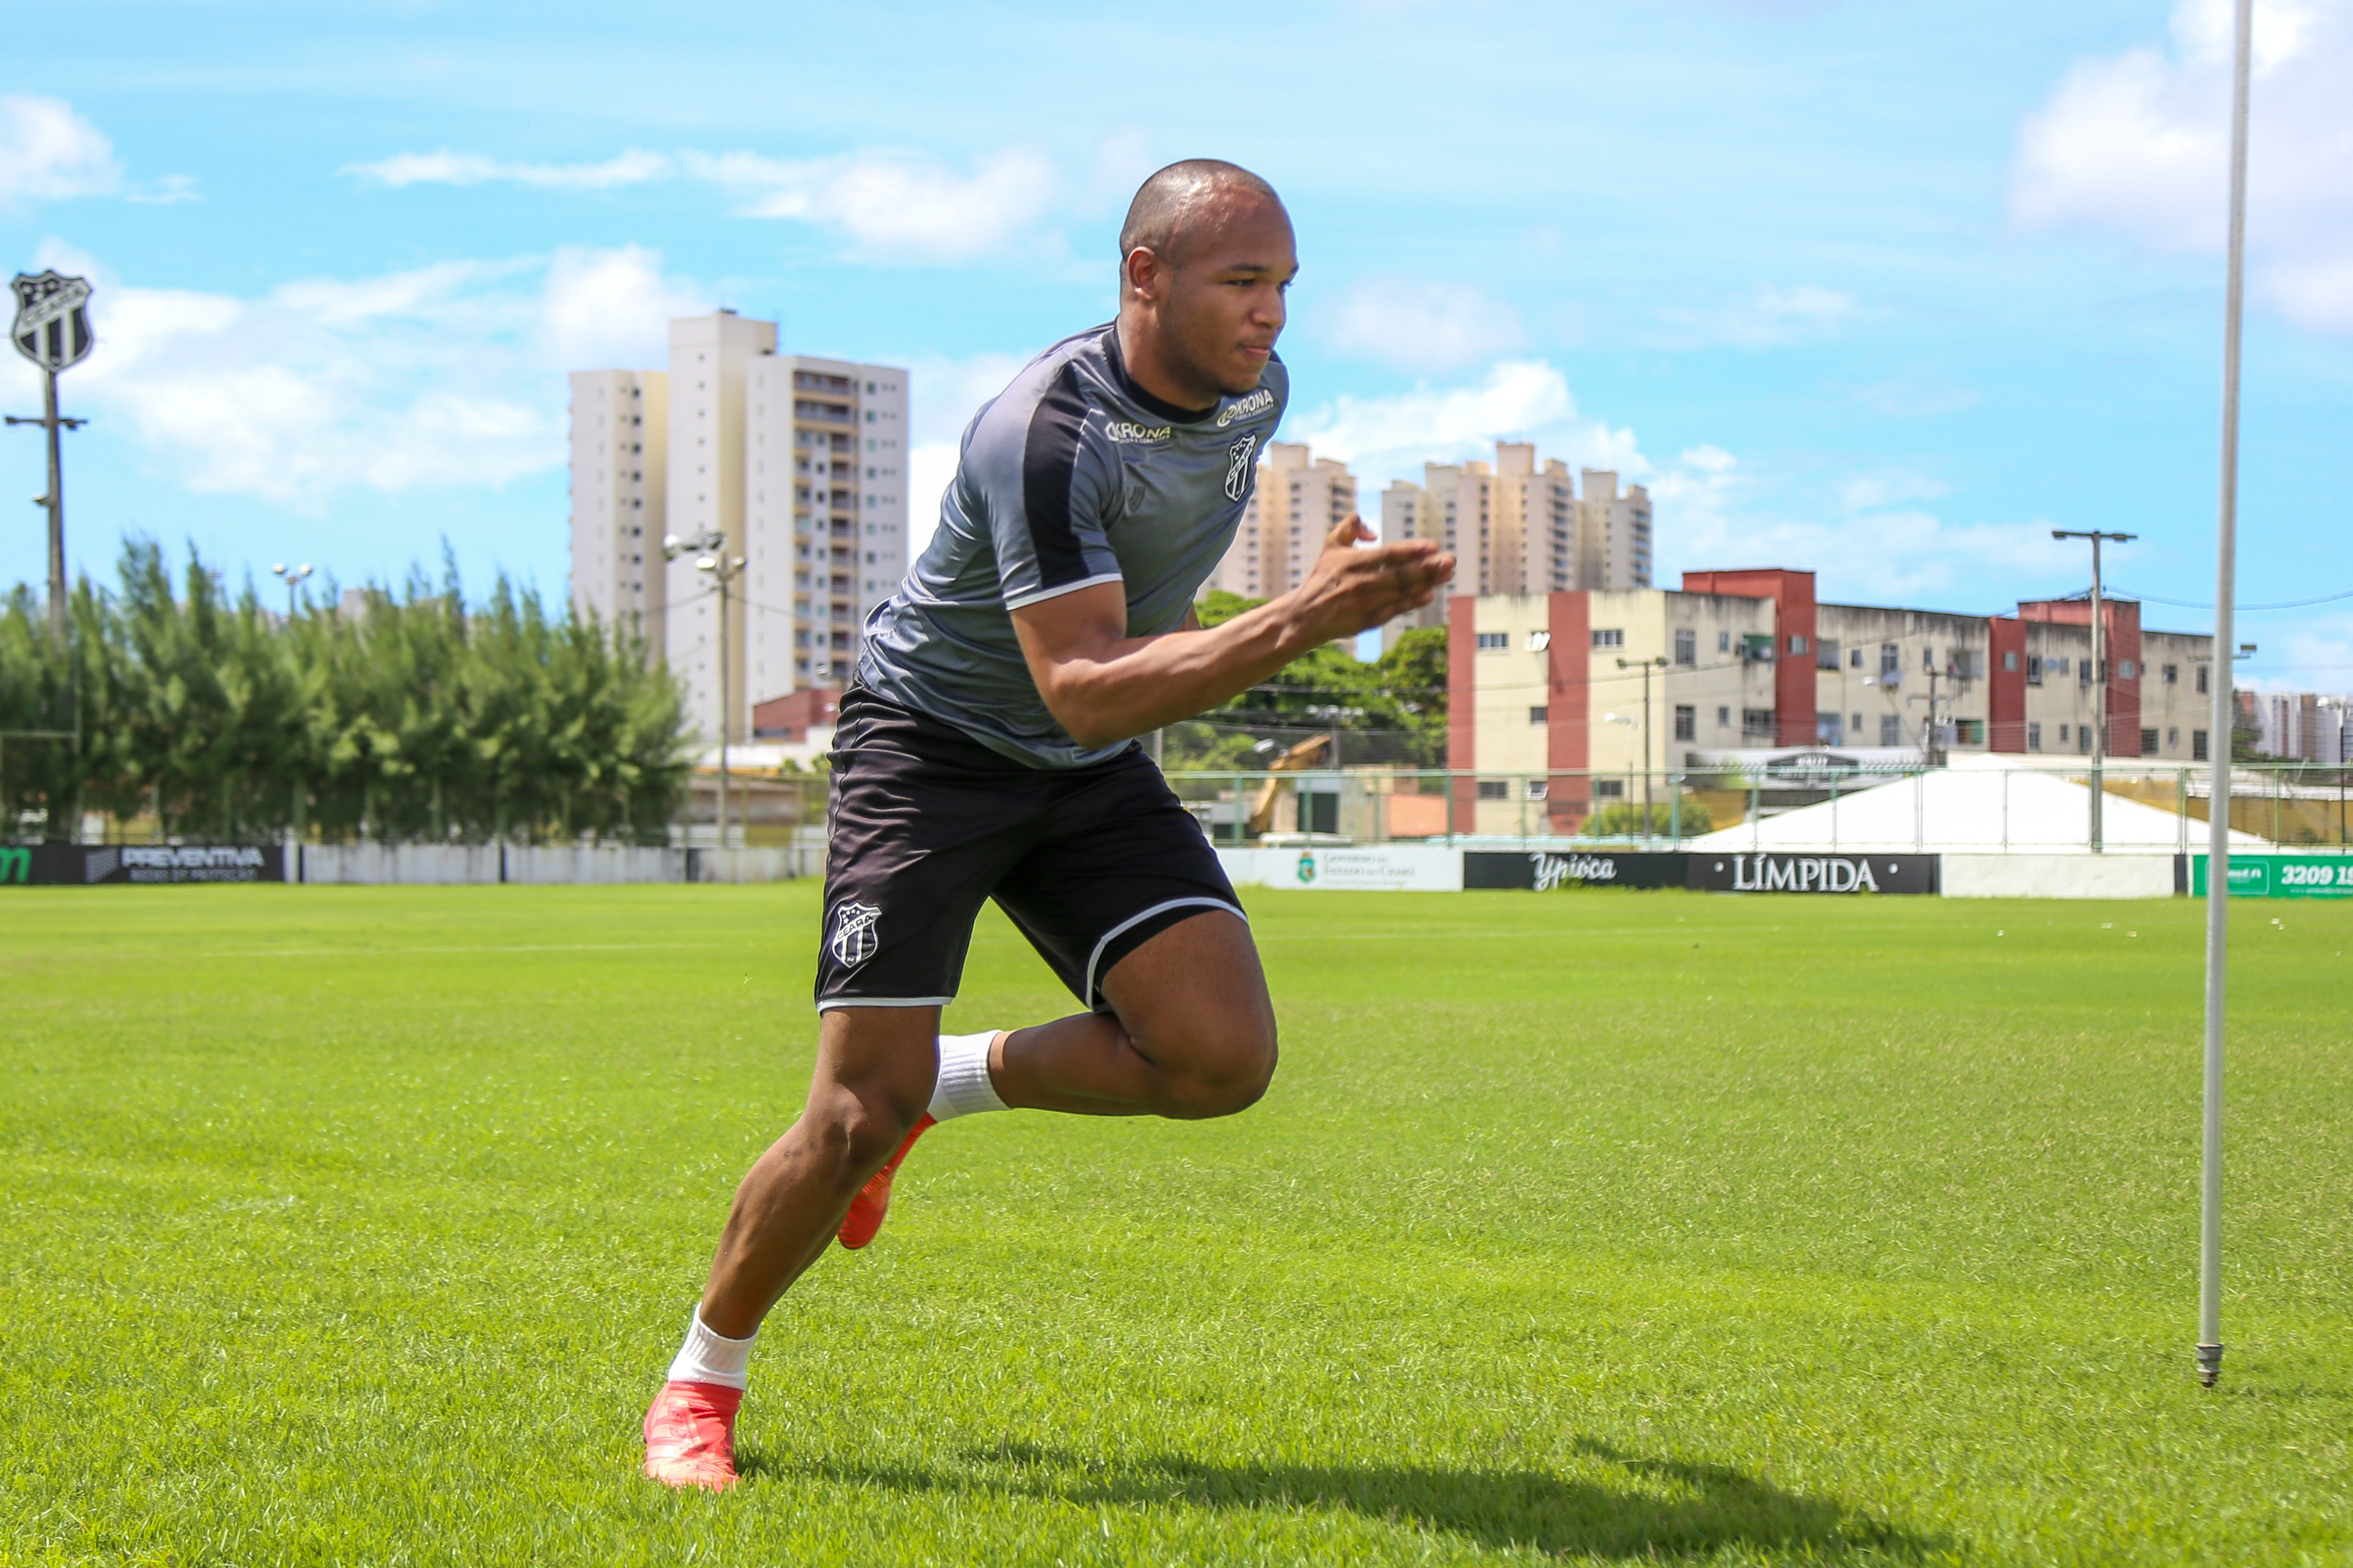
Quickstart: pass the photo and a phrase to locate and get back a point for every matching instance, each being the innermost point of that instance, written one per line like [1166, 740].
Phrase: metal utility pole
[2218, 745]
[2099, 673]
[723, 569]
[293, 576]
[1646, 666]
[52, 330]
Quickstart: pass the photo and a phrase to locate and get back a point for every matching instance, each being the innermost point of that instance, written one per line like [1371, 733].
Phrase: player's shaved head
[1174, 201]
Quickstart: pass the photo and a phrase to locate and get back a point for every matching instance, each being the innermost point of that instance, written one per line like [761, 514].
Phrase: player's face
[1225, 305]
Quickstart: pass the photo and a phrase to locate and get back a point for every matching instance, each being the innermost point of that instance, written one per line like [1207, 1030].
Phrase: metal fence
[2144, 808]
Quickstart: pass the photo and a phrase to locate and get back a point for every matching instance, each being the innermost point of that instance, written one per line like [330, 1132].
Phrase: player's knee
[1224, 1075]
[855, 1133]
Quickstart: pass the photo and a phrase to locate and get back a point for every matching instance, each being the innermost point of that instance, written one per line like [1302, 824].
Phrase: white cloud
[49, 153]
[1711, 515]
[893, 206]
[1423, 325]
[1517, 398]
[890, 205]
[446, 376]
[2138, 143]
[1766, 317]
[632, 167]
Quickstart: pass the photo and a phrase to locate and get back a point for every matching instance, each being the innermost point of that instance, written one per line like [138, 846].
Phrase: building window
[2084, 738]
[2082, 672]
[1755, 723]
[1494, 789]
[1686, 722]
[1608, 638]
[1891, 729]
[1854, 658]
[1830, 728]
[1797, 645]
[2056, 666]
[1826, 655]
[1535, 715]
[1723, 718]
[1494, 642]
[2009, 661]
[1724, 642]
[2065, 734]
[2033, 669]
[2169, 673]
[1889, 658]
[1968, 731]
[2128, 670]
[1539, 641]
[2148, 742]
[2198, 742]
[1854, 727]
[2203, 671]
[1928, 656]
[1686, 647]
[1538, 788]
[2172, 737]
[1609, 789]
[2033, 736]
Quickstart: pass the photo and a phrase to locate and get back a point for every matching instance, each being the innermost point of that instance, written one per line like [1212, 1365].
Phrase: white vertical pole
[2218, 737]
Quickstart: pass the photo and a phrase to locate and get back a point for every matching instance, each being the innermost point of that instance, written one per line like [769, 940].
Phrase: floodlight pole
[1646, 666]
[2097, 837]
[51, 421]
[2218, 745]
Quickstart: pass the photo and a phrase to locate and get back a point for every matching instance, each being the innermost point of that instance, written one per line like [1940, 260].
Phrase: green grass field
[357, 1226]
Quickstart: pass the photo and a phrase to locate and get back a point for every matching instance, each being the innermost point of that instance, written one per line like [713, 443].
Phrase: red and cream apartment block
[1552, 693]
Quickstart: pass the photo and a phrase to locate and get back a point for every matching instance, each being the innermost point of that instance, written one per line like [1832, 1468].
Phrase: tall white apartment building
[1520, 527]
[1298, 499]
[799, 462]
[827, 512]
[620, 494]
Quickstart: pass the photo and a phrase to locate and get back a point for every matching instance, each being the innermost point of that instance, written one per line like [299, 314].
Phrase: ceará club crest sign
[52, 326]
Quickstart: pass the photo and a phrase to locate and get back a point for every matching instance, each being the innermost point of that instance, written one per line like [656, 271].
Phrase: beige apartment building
[1744, 670]
[621, 493]
[1518, 526]
[800, 461]
[1298, 498]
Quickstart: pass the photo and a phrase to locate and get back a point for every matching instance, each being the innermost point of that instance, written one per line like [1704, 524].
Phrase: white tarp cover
[1980, 807]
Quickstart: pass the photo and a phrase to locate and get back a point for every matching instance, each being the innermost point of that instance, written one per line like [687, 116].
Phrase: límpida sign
[1768, 872]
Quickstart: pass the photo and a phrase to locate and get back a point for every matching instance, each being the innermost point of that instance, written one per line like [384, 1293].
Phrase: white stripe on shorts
[1088, 996]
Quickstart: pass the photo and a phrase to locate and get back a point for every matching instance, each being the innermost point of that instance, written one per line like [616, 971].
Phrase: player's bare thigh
[1193, 1002]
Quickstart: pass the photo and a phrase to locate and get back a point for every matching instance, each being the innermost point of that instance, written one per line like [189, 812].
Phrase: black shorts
[925, 822]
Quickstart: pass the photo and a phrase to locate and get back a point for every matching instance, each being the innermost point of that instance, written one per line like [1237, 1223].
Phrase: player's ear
[1140, 271]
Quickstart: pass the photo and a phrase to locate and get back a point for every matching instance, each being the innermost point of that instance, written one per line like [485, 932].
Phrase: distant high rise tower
[1520, 528]
[619, 496]
[801, 462]
[1297, 500]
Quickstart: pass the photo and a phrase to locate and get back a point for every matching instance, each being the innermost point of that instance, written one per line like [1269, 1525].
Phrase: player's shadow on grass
[1665, 1508]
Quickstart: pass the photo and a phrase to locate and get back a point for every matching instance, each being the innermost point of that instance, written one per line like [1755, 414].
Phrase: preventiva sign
[75, 864]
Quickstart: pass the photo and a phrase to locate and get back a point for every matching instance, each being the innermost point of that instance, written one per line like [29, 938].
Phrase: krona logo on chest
[1258, 402]
[1127, 430]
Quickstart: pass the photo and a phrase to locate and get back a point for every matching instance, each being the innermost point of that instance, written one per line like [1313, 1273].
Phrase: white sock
[707, 1357]
[964, 1086]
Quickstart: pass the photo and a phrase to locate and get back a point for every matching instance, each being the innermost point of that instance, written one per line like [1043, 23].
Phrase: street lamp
[2099, 669]
[710, 555]
[293, 576]
[1646, 666]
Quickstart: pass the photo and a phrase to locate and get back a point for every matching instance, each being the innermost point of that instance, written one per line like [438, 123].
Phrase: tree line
[408, 717]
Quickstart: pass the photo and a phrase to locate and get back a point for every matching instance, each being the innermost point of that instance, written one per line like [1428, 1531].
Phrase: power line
[2284, 605]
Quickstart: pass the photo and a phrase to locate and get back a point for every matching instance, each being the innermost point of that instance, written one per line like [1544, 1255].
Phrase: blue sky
[1883, 291]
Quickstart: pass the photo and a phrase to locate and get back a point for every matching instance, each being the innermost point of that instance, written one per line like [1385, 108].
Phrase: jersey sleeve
[1051, 536]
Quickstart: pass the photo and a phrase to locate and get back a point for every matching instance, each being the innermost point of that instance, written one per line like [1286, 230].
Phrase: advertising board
[84, 866]
[2281, 876]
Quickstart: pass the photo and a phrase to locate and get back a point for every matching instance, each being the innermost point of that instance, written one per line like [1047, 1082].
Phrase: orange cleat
[691, 1436]
[873, 1199]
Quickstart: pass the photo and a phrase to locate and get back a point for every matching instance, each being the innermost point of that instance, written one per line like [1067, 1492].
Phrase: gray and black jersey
[1073, 476]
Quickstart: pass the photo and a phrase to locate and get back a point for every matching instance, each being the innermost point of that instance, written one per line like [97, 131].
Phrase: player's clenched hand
[1352, 589]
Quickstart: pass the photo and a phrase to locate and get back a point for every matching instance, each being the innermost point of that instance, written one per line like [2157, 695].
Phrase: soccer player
[986, 748]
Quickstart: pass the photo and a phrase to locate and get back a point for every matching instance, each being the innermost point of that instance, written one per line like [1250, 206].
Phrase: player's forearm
[1138, 685]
